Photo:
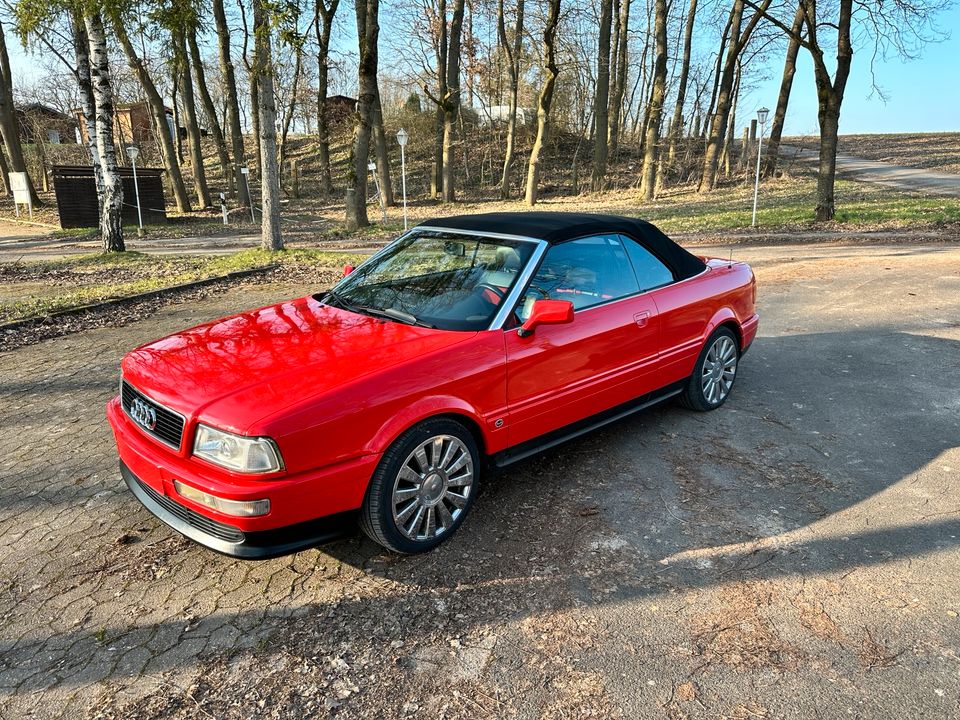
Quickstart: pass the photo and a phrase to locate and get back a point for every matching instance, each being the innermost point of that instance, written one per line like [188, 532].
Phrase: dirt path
[898, 176]
[792, 555]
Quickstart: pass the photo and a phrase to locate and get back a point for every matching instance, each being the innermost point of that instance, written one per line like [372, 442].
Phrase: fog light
[238, 508]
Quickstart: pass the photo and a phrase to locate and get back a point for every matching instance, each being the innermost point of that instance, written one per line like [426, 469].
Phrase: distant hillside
[933, 151]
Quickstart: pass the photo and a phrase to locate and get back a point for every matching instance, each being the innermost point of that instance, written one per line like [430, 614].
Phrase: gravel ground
[792, 555]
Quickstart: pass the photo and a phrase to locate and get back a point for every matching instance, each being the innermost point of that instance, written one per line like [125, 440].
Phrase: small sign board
[20, 187]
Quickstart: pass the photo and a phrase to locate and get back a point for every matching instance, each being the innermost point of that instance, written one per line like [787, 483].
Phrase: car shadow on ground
[670, 500]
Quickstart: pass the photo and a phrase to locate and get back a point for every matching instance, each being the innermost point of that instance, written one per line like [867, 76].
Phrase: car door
[682, 319]
[563, 373]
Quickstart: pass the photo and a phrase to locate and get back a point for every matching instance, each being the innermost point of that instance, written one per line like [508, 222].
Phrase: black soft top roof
[558, 227]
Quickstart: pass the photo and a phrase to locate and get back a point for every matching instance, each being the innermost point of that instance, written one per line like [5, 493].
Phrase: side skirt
[582, 427]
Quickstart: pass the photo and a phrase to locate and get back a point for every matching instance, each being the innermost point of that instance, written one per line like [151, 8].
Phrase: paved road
[792, 555]
[898, 176]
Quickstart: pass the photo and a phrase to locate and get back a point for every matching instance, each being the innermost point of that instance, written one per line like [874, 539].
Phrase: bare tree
[739, 37]
[111, 226]
[181, 68]
[545, 101]
[270, 177]
[209, 110]
[232, 101]
[620, 74]
[651, 141]
[450, 101]
[783, 98]
[676, 125]
[602, 99]
[513, 70]
[9, 125]
[327, 10]
[157, 110]
[368, 31]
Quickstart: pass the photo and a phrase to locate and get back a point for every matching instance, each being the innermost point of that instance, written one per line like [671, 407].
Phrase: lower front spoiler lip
[259, 545]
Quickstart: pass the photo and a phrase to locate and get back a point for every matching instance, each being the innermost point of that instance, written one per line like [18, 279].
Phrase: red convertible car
[469, 341]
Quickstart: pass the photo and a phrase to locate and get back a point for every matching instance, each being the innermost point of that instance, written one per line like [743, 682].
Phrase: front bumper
[305, 508]
[230, 540]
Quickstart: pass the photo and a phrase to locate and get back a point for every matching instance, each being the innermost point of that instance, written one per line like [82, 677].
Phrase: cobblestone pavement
[794, 554]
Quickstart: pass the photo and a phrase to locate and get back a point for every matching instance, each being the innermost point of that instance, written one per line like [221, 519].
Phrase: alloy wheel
[719, 370]
[431, 490]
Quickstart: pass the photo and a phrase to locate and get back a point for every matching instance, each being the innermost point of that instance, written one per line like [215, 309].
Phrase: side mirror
[457, 249]
[347, 269]
[547, 312]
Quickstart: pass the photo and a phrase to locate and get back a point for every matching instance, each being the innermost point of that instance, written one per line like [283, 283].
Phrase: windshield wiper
[390, 313]
[393, 314]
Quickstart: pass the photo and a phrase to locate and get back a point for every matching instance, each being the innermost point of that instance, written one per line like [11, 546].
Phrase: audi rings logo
[143, 414]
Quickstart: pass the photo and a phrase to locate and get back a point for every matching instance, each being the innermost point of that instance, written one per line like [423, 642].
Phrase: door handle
[641, 318]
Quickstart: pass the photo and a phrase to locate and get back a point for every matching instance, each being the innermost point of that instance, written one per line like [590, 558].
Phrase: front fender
[426, 408]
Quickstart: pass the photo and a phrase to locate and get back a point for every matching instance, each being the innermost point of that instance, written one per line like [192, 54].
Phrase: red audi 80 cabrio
[468, 342]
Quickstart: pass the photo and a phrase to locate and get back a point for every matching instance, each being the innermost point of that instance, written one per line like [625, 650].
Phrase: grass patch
[29, 289]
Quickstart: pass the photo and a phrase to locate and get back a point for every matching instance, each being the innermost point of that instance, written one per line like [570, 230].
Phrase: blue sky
[923, 95]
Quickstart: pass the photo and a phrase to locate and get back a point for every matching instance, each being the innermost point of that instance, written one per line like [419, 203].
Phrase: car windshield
[436, 279]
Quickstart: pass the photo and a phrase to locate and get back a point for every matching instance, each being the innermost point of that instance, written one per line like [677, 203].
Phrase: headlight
[236, 452]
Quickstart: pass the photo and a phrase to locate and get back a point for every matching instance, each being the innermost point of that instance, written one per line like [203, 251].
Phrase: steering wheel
[491, 293]
[544, 294]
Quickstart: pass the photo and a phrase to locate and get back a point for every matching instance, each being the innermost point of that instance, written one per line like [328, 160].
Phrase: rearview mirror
[457, 249]
[547, 312]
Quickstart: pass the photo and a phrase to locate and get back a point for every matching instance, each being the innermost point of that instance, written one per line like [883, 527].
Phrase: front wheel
[423, 487]
[714, 374]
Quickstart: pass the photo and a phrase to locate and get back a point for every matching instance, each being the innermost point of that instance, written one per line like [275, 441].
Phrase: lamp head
[762, 115]
[132, 152]
[402, 137]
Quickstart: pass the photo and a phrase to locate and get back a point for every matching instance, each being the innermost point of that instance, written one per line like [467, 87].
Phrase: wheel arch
[430, 409]
[725, 317]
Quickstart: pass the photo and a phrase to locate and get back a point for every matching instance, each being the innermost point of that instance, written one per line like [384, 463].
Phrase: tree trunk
[829, 99]
[725, 154]
[368, 31]
[252, 91]
[327, 14]
[651, 142]
[182, 66]
[676, 125]
[380, 151]
[620, 78]
[513, 69]
[233, 105]
[270, 238]
[111, 226]
[601, 100]
[436, 180]
[545, 101]
[451, 103]
[209, 111]
[9, 124]
[786, 85]
[81, 47]
[159, 113]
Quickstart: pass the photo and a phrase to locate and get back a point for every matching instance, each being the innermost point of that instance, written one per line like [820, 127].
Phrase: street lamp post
[133, 152]
[402, 140]
[762, 119]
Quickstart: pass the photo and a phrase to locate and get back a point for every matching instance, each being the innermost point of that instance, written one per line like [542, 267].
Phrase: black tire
[693, 396]
[377, 517]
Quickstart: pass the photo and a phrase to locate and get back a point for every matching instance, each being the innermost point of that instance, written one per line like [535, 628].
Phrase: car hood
[235, 371]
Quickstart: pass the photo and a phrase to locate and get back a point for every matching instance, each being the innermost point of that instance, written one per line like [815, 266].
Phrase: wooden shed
[76, 192]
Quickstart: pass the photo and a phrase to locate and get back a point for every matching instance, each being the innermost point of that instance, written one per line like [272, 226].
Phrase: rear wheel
[423, 487]
[715, 372]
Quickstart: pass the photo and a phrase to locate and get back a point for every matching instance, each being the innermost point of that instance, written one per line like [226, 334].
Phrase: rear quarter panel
[692, 309]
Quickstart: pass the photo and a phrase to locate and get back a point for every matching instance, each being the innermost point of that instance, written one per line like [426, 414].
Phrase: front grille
[219, 530]
[169, 428]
